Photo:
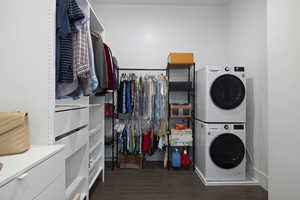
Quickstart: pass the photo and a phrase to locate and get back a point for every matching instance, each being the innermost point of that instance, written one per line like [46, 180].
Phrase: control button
[227, 69]
[226, 127]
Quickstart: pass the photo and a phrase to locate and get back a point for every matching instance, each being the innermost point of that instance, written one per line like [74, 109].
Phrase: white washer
[221, 94]
[221, 151]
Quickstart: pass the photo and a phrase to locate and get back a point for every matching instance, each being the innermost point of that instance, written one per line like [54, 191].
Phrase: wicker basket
[131, 161]
[180, 111]
[14, 133]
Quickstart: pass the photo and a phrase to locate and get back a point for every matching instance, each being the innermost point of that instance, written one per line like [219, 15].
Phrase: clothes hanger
[95, 34]
[123, 76]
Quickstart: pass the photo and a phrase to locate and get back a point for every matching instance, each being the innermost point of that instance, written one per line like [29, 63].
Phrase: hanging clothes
[128, 97]
[93, 76]
[81, 60]
[68, 15]
[115, 68]
[120, 97]
[81, 52]
[100, 62]
[84, 65]
[68, 20]
[109, 65]
[145, 101]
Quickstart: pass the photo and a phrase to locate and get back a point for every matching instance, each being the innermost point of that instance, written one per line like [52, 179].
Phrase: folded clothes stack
[181, 137]
[184, 131]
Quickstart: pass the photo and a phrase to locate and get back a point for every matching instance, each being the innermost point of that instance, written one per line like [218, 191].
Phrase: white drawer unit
[72, 129]
[26, 176]
[55, 191]
[97, 141]
[69, 120]
[51, 121]
[74, 141]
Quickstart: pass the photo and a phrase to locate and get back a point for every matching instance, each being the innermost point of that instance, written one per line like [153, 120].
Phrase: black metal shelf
[178, 146]
[180, 118]
[180, 66]
[189, 87]
[112, 141]
[184, 86]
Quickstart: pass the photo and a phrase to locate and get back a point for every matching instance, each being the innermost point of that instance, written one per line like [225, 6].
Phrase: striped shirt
[68, 14]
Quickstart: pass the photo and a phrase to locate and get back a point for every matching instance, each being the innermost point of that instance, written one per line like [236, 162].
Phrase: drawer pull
[23, 176]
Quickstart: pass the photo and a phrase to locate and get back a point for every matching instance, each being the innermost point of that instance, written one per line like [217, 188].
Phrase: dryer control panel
[239, 69]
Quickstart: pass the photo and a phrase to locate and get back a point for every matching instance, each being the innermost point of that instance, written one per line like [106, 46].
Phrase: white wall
[248, 47]
[284, 98]
[27, 66]
[143, 35]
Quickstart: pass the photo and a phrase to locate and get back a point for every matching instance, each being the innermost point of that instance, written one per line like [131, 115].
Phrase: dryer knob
[226, 127]
[227, 69]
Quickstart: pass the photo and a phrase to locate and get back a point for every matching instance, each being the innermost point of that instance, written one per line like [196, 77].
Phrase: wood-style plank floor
[161, 184]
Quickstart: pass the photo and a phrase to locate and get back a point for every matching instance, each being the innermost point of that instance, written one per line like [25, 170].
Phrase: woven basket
[14, 133]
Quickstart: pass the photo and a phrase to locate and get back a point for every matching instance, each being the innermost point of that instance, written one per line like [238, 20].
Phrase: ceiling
[164, 2]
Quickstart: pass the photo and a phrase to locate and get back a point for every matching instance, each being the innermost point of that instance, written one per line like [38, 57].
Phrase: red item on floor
[147, 142]
[185, 160]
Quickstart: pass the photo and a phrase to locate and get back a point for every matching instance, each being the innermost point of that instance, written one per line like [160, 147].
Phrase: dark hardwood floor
[161, 184]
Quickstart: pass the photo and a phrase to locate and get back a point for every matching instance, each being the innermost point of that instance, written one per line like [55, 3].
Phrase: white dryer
[221, 94]
[221, 151]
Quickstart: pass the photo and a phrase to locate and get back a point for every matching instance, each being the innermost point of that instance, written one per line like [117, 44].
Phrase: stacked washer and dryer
[220, 123]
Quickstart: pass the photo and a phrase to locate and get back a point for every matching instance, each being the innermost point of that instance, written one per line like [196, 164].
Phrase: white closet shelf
[72, 189]
[92, 149]
[95, 177]
[95, 130]
[95, 105]
[62, 107]
[96, 18]
[94, 163]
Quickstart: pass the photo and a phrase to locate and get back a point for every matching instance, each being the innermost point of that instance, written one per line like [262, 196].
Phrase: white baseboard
[200, 175]
[261, 177]
[247, 182]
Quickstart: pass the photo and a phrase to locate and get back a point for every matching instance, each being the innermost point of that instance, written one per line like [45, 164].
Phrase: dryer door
[227, 92]
[227, 151]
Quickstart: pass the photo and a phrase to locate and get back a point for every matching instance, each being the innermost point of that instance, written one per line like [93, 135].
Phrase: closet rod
[140, 69]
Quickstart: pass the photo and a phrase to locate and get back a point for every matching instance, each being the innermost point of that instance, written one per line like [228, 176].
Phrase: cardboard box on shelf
[181, 58]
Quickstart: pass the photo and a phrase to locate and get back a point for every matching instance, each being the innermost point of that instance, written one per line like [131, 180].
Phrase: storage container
[181, 58]
[14, 133]
[176, 158]
[130, 161]
[180, 111]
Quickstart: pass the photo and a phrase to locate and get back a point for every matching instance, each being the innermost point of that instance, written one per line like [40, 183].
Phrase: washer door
[227, 92]
[227, 151]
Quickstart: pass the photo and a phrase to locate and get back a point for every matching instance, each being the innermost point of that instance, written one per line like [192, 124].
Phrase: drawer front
[30, 184]
[66, 121]
[74, 142]
[55, 191]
